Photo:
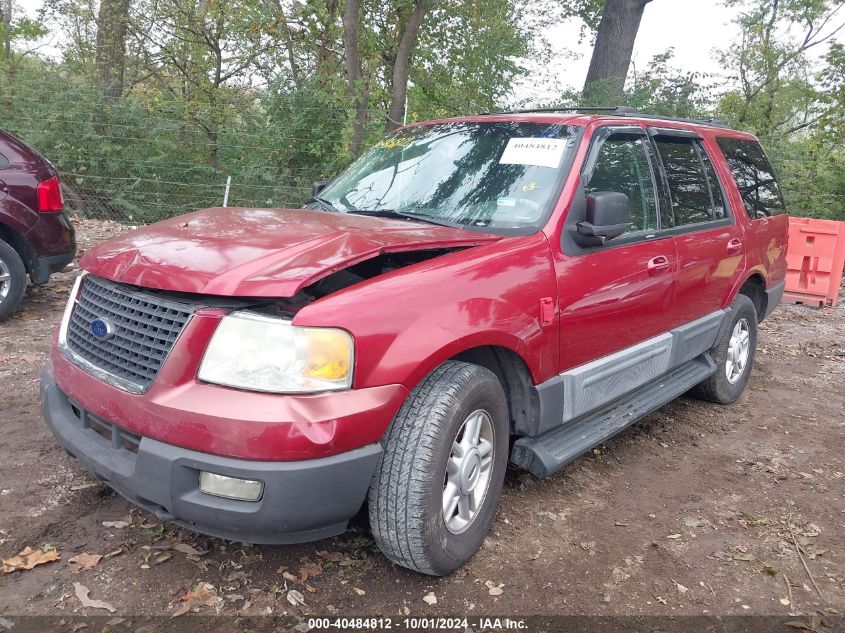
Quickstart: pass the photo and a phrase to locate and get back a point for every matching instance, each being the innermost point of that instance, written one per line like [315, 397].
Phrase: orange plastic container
[815, 259]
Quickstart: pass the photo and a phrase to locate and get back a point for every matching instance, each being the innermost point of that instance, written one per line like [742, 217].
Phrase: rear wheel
[434, 495]
[733, 353]
[12, 280]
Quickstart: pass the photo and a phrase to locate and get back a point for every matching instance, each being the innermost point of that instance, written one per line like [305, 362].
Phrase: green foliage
[256, 91]
[247, 89]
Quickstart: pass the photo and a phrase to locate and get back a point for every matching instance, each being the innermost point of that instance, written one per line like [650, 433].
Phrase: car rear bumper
[302, 500]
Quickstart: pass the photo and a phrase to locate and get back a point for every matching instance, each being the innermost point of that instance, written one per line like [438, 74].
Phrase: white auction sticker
[539, 152]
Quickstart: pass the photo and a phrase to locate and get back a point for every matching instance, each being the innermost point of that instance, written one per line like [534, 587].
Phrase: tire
[12, 280]
[406, 497]
[720, 388]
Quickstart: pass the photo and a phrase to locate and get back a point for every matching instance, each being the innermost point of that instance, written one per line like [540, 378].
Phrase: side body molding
[586, 388]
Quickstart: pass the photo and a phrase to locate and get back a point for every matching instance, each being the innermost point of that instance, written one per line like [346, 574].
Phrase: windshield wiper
[324, 204]
[407, 215]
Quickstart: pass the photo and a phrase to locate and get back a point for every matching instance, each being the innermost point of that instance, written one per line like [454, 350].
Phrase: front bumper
[302, 501]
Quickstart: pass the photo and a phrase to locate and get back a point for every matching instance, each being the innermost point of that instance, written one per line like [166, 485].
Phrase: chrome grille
[145, 328]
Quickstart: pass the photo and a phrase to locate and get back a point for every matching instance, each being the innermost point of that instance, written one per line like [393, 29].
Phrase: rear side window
[688, 181]
[719, 212]
[754, 177]
[622, 166]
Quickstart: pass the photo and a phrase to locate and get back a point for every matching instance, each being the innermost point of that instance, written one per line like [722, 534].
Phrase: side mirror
[318, 187]
[608, 215]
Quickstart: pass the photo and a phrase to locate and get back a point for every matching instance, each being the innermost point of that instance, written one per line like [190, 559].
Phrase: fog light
[231, 487]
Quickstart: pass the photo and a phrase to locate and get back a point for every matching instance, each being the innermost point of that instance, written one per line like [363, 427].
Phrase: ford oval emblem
[102, 329]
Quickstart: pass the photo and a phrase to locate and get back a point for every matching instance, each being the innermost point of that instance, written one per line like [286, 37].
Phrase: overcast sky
[692, 27]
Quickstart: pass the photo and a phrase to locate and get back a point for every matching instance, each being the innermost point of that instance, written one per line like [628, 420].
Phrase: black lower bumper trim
[302, 501]
[774, 296]
[44, 266]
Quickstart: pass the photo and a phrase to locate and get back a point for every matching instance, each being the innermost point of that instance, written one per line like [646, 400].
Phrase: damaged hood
[259, 252]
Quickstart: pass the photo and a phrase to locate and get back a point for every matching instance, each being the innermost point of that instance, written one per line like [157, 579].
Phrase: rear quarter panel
[765, 238]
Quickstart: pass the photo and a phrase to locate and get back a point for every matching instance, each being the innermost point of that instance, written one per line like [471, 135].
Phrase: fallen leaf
[588, 545]
[187, 549]
[770, 569]
[296, 598]
[797, 624]
[29, 558]
[674, 536]
[360, 592]
[309, 570]
[83, 487]
[681, 588]
[288, 576]
[430, 598]
[620, 524]
[203, 594]
[83, 562]
[744, 557]
[784, 601]
[334, 557]
[82, 595]
[118, 525]
[494, 589]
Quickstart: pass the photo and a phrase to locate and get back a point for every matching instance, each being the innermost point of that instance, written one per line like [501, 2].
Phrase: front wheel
[434, 495]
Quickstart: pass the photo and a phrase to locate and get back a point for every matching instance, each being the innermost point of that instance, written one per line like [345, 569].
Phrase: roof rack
[619, 110]
[614, 111]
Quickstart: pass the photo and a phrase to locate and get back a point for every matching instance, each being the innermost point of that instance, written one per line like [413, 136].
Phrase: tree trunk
[401, 64]
[112, 23]
[614, 46]
[354, 72]
[7, 29]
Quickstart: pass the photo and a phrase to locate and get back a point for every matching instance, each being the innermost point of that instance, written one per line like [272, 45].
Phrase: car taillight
[50, 195]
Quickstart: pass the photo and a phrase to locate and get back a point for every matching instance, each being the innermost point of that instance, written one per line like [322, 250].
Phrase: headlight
[262, 353]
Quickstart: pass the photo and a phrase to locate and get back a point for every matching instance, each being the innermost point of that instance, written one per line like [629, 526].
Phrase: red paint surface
[407, 322]
[258, 252]
[45, 233]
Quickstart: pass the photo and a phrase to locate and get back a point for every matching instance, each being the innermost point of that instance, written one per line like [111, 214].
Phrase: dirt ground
[699, 509]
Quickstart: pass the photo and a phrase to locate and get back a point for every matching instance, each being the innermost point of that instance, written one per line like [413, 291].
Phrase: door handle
[735, 245]
[657, 265]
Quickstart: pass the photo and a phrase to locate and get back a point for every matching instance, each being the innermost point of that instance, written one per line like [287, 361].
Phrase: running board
[544, 454]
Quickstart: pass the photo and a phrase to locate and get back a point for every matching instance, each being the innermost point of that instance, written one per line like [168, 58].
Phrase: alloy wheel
[468, 471]
[739, 350]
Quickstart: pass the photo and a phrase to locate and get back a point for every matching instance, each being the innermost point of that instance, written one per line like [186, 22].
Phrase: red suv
[36, 237]
[472, 291]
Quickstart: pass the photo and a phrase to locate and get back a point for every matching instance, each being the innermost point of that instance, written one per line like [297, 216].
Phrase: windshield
[498, 175]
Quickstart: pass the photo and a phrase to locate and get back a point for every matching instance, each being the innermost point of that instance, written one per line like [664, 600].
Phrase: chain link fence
[150, 156]
[138, 161]
[135, 199]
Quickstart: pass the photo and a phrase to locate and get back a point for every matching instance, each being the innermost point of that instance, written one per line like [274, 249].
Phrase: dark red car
[36, 236]
[511, 287]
